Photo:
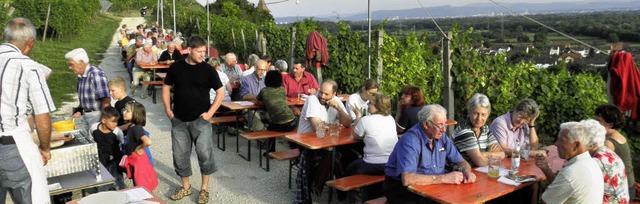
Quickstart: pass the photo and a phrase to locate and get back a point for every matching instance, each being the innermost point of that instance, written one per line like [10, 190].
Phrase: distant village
[553, 55]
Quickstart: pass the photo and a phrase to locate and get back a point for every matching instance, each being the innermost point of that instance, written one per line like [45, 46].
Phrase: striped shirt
[92, 86]
[465, 139]
[23, 88]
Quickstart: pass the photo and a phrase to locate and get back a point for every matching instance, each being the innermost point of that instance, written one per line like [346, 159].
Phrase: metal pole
[162, 15]
[448, 96]
[369, 39]
[158, 12]
[174, 17]
[208, 31]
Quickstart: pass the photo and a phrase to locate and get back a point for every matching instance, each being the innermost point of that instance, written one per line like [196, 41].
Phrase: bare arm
[145, 143]
[105, 102]
[166, 100]
[409, 178]
[215, 105]
[43, 126]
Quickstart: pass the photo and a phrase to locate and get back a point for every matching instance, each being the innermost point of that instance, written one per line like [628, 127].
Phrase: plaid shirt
[92, 86]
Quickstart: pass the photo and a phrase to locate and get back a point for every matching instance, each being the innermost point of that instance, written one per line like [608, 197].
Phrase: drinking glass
[494, 167]
[525, 152]
[334, 128]
[320, 130]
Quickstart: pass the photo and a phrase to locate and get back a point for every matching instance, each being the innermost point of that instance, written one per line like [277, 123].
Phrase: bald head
[230, 59]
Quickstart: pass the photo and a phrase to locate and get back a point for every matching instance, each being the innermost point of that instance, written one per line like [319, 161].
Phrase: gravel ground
[236, 181]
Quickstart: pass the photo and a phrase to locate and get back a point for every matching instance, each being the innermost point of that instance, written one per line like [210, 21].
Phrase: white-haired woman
[615, 180]
[473, 138]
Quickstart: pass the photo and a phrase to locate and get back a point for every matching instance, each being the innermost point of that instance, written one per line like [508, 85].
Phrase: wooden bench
[153, 90]
[266, 134]
[355, 182]
[286, 155]
[380, 200]
[220, 120]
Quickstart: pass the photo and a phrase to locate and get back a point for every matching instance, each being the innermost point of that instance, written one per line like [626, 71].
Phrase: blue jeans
[14, 177]
[197, 132]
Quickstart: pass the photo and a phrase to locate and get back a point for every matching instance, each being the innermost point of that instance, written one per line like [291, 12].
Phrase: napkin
[244, 103]
[507, 181]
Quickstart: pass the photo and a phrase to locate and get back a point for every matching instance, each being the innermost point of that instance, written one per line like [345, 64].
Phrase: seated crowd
[412, 146]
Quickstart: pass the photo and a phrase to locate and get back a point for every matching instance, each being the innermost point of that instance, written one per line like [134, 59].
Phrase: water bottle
[364, 111]
[515, 159]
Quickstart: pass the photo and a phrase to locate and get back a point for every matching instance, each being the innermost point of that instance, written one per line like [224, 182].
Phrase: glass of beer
[494, 167]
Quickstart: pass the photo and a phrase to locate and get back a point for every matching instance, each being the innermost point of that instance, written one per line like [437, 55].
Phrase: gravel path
[236, 181]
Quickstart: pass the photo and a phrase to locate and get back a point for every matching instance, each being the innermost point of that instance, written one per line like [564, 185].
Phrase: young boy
[118, 91]
[109, 137]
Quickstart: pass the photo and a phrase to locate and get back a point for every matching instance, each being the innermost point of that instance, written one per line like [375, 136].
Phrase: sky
[326, 8]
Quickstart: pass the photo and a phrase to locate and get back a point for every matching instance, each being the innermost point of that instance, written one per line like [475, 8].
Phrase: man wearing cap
[93, 92]
[24, 89]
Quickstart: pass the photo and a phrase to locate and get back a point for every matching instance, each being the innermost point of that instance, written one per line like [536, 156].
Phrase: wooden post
[447, 92]
[257, 40]
[244, 44]
[233, 36]
[293, 47]
[46, 23]
[379, 42]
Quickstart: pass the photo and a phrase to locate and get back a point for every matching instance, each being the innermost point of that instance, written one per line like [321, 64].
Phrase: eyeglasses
[439, 127]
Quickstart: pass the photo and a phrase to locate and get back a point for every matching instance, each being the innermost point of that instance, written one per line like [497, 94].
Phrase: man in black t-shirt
[191, 80]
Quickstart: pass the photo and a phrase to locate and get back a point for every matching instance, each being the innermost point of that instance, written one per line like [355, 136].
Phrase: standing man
[192, 78]
[24, 85]
[300, 81]
[93, 91]
[580, 180]
[420, 155]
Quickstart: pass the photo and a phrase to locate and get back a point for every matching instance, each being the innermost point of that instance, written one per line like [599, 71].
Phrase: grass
[95, 39]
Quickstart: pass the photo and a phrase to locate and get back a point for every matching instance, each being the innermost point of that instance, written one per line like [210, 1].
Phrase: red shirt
[294, 87]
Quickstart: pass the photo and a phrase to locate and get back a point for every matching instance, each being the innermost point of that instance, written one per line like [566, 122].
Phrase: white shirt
[579, 181]
[380, 137]
[313, 109]
[248, 71]
[356, 101]
[224, 79]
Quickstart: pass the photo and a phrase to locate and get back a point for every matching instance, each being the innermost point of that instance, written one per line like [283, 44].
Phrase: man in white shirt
[325, 107]
[580, 180]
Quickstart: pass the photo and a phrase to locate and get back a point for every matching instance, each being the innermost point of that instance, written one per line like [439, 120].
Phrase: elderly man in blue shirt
[420, 156]
[93, 93]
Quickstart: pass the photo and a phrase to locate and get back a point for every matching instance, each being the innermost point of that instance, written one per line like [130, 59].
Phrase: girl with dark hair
[274, 99]
[611, 118]
[137, 164]
[410, 103]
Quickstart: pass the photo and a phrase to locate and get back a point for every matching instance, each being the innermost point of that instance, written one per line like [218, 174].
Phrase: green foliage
[562, 97]
[67, 18]
[240, 9]
[124, 5]
[95, 40]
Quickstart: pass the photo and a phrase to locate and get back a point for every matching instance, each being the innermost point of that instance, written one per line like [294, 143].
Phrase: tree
[230, 10]
[613, 37]
[540, 39]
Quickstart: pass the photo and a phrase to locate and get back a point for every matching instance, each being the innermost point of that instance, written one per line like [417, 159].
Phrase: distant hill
[482, 9]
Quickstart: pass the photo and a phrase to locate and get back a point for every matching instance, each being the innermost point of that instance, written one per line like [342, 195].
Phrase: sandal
[180, 194]
[203, 197]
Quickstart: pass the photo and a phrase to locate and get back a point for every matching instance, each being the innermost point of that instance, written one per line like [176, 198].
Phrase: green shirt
[275, 102]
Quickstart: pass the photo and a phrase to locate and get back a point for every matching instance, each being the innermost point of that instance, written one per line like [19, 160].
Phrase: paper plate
[108, 197]
[57, 143]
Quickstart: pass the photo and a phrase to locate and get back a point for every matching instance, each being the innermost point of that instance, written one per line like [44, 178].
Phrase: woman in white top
[378, 131]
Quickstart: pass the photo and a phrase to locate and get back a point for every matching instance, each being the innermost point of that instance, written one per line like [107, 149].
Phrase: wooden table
[484, 189]
[153, 67]
[155, 198]
[310, 141]
[238, 108]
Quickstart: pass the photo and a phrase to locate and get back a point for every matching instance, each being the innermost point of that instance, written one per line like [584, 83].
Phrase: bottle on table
[515, 159]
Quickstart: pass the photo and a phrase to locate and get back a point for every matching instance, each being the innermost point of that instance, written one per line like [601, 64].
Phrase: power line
[433, 19]
[548, 27]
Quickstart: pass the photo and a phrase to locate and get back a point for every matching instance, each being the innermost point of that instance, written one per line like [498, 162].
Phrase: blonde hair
[118, 82]
[382, 103]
